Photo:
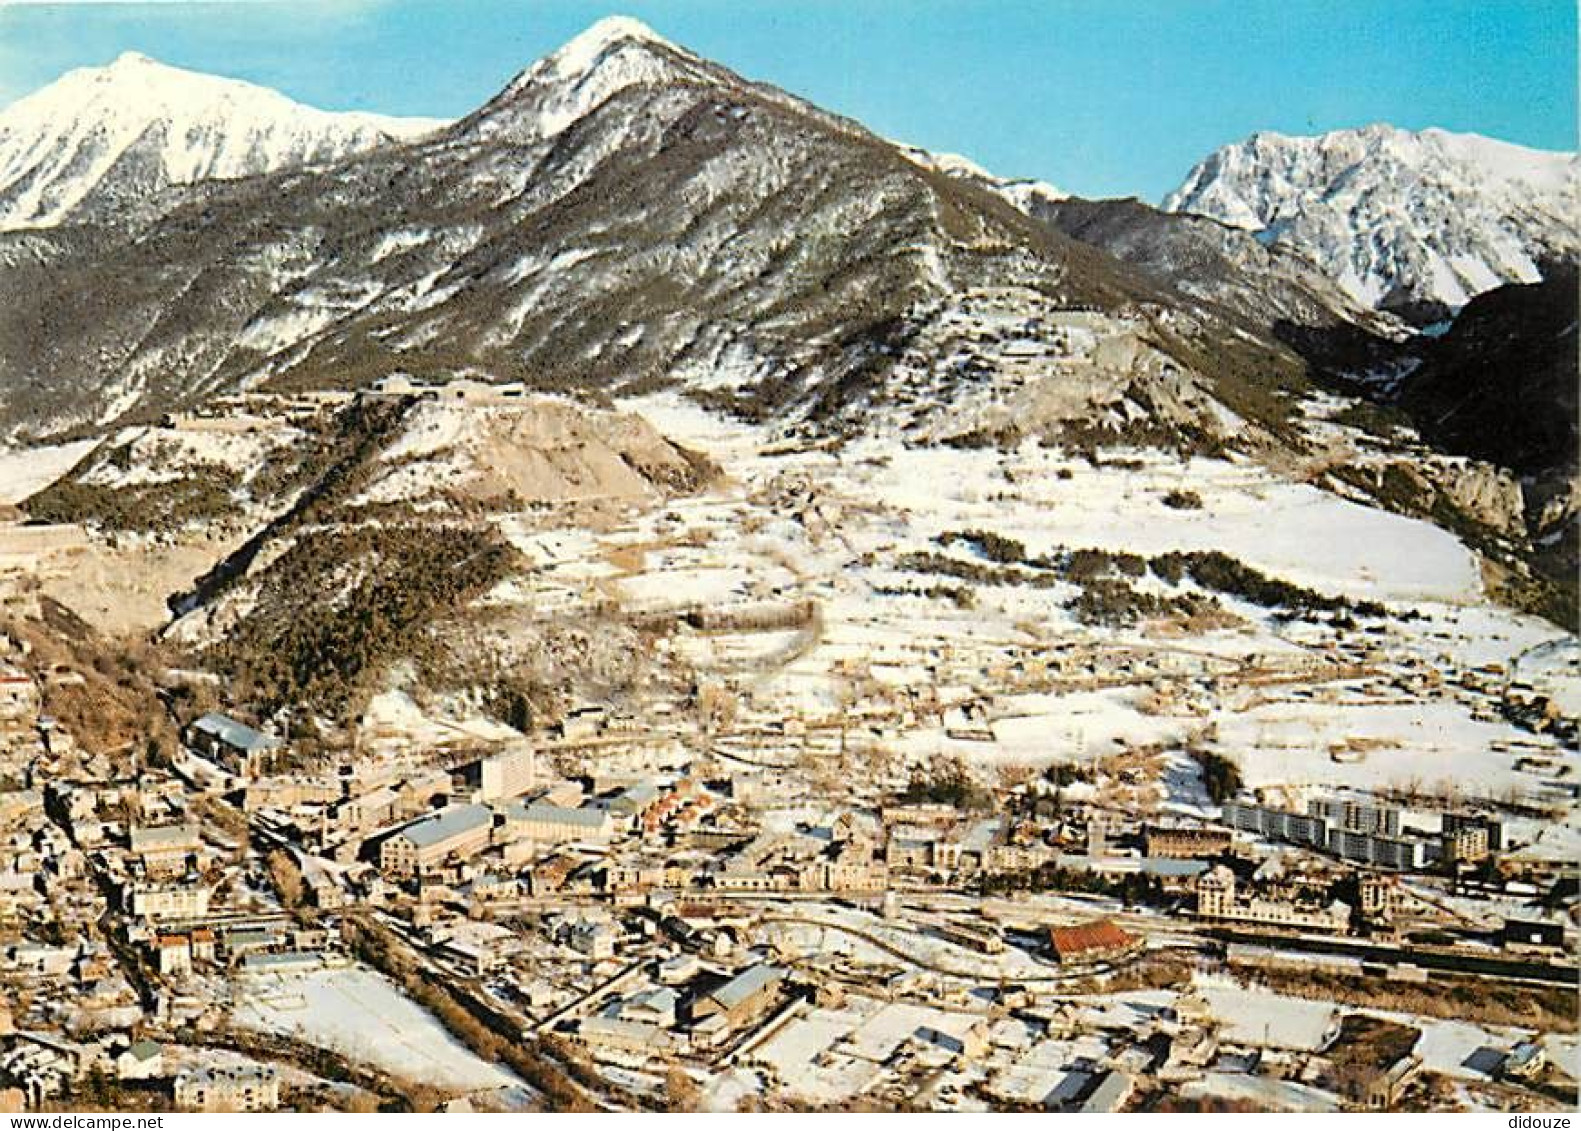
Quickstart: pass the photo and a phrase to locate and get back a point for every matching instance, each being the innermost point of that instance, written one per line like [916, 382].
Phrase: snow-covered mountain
[626, 215]
[102, 138]
[1416, 223]
[622, 213]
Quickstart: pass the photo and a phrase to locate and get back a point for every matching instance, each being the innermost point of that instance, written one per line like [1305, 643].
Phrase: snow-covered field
[1284, 701]
[1266, 1020]
[1427, 743]
[363, 1016]
[1296, 532]
[26, 471]
[1070, 728]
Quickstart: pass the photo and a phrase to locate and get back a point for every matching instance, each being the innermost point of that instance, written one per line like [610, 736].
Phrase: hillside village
[902, 812]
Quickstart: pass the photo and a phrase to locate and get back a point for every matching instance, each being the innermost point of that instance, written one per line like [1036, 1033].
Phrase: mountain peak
[585, 48]
[1023, 193]
[615, 53]
[134, 83]
[593, 48]
[127, 60]
[96, 131]
[1416, 222]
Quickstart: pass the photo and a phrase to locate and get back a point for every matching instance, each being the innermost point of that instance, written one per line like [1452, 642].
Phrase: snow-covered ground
[1263, 1091]
[1072, 728]
[864, 507]
[1554, 668]
[1297, 532]
[1549, 840]
[393, 718]
[363, 1016]
[26, 471]
[1426, 743]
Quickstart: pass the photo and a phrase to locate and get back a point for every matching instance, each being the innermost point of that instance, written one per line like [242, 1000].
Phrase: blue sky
[1102, 97]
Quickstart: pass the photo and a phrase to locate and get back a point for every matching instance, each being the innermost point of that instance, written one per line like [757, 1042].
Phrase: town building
[1344, 827]
[19, 697]
[233, 745]
[984, 938]
[167, 901]
[366, 811]
[1533, 935]
[592, 939]
[1525, 1061]
[1087, 943]
[1108, 1095]
[1276, 824]
[1219, 899]
[507, 774]
[165, 850]
[628, 806]
[1097, 836]
[1492, 828]
[621, 1035]
[1397, 853]
[324, 891]
[456, 833]
[743, 998]
[1356, 814]
[1467, 844]
[1185, 843]
[142, 1060]
[1373, 1060]
[1379, 896]
[957, 1034]
[173, 954]
[1216, 894]
[251, 1087]
[544, 823]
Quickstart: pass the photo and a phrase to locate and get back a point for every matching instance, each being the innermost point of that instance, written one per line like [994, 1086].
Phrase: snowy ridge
[1023, 194]
[105, 134]
[1415, 222]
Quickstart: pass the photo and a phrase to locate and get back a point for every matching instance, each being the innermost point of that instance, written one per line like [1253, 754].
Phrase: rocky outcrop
[1487, 494]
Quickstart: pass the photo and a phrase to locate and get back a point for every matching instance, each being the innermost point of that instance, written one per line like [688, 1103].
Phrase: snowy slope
[1413, 222]
[1024, 194]
[102, 136]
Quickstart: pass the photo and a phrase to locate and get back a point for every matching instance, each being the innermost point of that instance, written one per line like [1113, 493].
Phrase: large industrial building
[422, 846]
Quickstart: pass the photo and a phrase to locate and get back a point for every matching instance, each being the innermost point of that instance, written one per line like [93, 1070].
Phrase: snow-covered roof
[747, 983]
[232, 733]
[447, 823]
[545, 814]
